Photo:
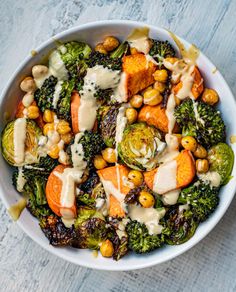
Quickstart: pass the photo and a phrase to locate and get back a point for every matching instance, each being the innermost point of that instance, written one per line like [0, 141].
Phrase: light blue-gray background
[209, 266]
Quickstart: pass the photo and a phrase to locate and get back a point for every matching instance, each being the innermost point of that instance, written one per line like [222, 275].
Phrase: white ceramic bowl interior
[92, 33]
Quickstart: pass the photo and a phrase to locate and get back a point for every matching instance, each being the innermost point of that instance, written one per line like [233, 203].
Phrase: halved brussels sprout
[33, 133]
[221, 158]
[140, 146]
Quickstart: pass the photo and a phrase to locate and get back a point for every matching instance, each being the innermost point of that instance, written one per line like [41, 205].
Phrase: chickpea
[136, 101]
[54, 151]
[110, 43]
[100, 48]
[28, 84]
[48, 116]
[136, 177]
[202, 165]
[200, 152]
[210, 96]
[63, 127]
[146, 199]
[99, 162]
[189, 143]
[48, 127]
[107, 248]
[177, 101]
[160, 86]
[39, 71]
[131, 115]
[33, 112]
[160, 75]
[133, 51]
[109, 154]
[66, 138]
[28, 99]
[152, 97]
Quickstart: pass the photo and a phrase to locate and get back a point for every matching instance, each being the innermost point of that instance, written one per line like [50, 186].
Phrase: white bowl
[92, 33]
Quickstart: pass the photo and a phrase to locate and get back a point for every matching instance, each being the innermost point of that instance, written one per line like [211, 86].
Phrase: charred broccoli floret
[179, 225]
[56, 232]
[161, 50]
[44, 97]
[139, 240]
[201, 198]
[201, 121]
[35, 178]
[107, 117]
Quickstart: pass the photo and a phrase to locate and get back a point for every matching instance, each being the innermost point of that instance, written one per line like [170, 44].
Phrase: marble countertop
[209, 266]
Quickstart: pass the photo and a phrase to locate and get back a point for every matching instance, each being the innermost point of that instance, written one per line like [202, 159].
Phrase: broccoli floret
[139, 240]
[44, 95]
[107, 125]
[63, 106]
[56, 232]
[201, 121]
[35, 176]
[86, 199]
[161, 50]
[120, 51]
[179, 225]
[73, 55]
[202, 199]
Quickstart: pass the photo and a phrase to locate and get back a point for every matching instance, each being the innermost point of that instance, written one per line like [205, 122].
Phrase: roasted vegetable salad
[120, 147]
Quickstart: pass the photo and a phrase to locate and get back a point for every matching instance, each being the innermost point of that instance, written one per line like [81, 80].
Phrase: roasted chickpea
[100, 48]
[171, 60]
[48, 127]
[28, 84]
[66, 138]
[136, 101]
[210, 96]
[107, 248]
[63, 127]
[189, 143]
[146, 199]
[131, 115]
[54, 151]
[160, 75]
[202, 165]
[28, 99]
[160, 86]
[152, 97]
[48, 116]
[99, 162]
[39, 71]
[136, 177]
[109, 154]
[177, 101]
[110, 43]
[33, 112]
[200, 152]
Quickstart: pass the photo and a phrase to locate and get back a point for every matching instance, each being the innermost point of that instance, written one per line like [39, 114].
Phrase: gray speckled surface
[209, 266]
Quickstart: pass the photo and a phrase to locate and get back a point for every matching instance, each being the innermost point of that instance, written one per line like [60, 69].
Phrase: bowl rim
[53, 250]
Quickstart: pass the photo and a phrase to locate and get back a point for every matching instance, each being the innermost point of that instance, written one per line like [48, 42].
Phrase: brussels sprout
[33, 133]
[140, 146]
[221, 158]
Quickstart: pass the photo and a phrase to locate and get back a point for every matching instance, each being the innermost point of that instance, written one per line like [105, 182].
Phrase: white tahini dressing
[20, 180]
[139, 40]
[28, 99]
[56, 94]
[121, 122]
[77, 153]
[211, 177]
[149, 216]
[57, 67]
[19, 137]
[171, 197]
[170, 109]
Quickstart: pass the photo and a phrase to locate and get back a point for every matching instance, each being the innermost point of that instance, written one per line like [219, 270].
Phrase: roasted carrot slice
[139, 73]
[19, 114]
[53, 192]
[74, 107]
[185, 171]
[155, 116]
[197, 87]
[112, 174]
